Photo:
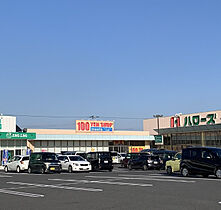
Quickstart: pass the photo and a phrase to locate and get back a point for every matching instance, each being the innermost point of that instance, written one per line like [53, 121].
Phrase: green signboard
[17, 135]
[158, 139]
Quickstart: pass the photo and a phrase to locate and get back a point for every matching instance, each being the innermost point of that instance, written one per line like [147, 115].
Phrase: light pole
[158, 121]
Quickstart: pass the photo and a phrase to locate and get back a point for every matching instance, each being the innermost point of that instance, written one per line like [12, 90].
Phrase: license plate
[106, 161]
[52, 169]
[155, 162]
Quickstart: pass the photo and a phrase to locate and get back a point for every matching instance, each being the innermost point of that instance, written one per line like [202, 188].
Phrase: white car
[18, 163]
[72, 163]
[116, 157]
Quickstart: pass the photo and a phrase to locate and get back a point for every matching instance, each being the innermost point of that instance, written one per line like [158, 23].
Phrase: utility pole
[158, 122]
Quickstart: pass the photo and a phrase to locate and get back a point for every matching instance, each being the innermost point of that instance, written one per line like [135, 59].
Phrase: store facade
[183, 130]
[53, 140]
[12, 142]
[90, 136]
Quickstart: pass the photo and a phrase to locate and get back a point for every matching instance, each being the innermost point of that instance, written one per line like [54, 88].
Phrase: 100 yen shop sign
[89, 125]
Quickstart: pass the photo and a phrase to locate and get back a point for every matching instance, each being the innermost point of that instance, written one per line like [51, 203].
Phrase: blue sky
[109, 58]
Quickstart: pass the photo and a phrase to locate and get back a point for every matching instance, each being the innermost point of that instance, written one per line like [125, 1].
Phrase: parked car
[174, 164]
[165, 155]
[82, 154]
[145, 162]
[72, 163]
[129, 156]
[201, 161]
[148, 151]
[44, 162]
[18, 163]
[100, 160]
[123, 155]
[116, 157]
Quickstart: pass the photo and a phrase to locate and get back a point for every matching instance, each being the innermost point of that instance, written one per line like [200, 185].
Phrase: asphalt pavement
[119, 189]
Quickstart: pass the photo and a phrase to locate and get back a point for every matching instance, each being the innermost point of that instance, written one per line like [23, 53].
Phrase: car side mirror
[66, 161]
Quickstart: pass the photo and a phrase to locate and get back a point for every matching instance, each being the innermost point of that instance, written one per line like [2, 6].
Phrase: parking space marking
[102, 182]
[21, 193]
[4, 176]
[140, 178]
[176, 177]
[56, 186]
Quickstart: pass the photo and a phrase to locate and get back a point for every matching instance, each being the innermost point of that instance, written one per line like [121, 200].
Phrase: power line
[76, 117]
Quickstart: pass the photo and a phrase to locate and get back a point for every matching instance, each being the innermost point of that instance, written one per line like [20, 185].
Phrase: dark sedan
[129, 156]
[145, 162]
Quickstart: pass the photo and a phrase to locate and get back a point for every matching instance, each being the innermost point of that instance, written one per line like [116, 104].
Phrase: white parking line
[175, 177]
[102, 182]
[4, 176]
[21, 193]
[56, 186]
[144, 178]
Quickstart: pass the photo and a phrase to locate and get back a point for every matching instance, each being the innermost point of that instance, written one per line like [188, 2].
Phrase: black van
[44, 162]
[100, 160]
[201, 161]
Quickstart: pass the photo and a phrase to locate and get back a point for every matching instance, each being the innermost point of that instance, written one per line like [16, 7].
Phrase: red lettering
[87, 126]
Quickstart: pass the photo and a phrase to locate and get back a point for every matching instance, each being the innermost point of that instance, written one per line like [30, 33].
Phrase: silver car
[18, 163]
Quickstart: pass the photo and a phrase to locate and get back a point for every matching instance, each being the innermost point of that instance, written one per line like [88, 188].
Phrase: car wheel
[218, 173]
[18, 169]
[144, 167]
[129, 167]
[42, 170]
[110, 170]
[70, 169]
[6, 169]
[29, 170]
[185, 172]
[169, 170]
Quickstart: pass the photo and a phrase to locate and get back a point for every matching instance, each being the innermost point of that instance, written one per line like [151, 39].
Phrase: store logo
[210, 119]
[194, 120]
[174, 122]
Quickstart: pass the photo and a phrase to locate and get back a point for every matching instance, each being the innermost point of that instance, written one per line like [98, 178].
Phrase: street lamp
[158, 121]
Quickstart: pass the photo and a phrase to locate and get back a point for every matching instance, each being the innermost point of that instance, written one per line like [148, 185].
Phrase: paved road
[120, 189]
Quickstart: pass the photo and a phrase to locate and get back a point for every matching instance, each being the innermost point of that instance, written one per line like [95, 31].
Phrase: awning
[199, 128]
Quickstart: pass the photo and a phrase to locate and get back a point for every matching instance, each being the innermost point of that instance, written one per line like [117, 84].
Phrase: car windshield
[76, 158]
[105, 154]
[50, 157]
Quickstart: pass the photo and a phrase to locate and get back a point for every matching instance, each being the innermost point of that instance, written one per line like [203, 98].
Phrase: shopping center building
[183, 130]
[88, 136]
[13, 141]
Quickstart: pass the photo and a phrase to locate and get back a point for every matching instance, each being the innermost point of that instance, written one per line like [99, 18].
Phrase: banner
[5, 157]
[94, 126]
[135, 149]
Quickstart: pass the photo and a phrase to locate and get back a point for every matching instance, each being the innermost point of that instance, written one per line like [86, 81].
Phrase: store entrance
[118, 146]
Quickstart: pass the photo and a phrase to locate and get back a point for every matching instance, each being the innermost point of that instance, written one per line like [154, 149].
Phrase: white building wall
[70, 145]
[8, 124]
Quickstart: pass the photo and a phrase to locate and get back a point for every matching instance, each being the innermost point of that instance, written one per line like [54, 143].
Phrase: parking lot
[119, 189]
